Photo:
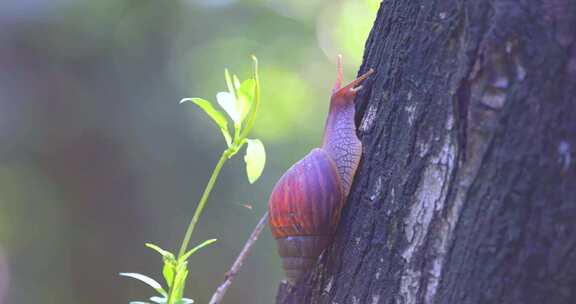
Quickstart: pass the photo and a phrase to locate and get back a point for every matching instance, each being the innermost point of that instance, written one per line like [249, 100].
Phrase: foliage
[241, 103]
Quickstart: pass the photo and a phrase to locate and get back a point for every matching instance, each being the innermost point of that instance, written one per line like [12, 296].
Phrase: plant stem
[219, 294]
[202, 202]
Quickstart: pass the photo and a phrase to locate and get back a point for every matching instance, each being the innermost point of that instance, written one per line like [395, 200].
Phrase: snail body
[305, 205]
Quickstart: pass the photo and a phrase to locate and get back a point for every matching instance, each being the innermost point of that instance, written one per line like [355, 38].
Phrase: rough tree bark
[467, 188]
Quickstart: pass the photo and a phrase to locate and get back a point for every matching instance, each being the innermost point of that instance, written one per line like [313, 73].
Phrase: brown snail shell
[305, 210]
[299, 253]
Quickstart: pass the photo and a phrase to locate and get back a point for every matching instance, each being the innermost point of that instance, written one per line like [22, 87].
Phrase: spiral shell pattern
[308, 198]
[305, 208]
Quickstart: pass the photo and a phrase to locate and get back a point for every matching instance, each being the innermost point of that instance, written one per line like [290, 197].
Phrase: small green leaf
[164, 253]
[180, 280]
[169, 261]
[168, 272]
[255, 159]
[185, 256]
[228, 102]
[246, 96]
[147, 280]
[138, 302]
[216, 116]
[236, 82]
[229, 83]
[185, 301]
[251, 117]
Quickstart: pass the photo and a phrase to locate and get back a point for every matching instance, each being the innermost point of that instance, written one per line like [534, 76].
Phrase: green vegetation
[98, 158]
[241, 103]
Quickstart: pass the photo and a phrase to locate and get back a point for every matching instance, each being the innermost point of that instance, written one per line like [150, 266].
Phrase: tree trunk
[467, 188]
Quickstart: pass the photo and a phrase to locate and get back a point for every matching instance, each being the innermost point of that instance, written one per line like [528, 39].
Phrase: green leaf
[164, 253]
[228, 102]
[185, 301]
[229, 83]
[169, 261]
[138, 302]
[216, 116]
[168, 272]
[180, 280]
[147, 280]
[246, 96]
[251, 117]
[185, 256]
[255, 159]
[236, 82]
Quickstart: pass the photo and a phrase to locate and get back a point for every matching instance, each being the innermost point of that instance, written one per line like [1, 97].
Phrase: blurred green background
[97, 157]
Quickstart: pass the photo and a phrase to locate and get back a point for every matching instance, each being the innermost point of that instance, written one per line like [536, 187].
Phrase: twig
[219, 294]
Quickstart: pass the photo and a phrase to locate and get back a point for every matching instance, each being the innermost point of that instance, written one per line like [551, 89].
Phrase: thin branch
[219, 294]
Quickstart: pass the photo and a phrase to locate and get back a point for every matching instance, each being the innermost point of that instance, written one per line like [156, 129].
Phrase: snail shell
[305, 208]
[299, 253]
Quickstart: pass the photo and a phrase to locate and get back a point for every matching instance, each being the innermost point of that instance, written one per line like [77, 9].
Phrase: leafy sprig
[240, 103]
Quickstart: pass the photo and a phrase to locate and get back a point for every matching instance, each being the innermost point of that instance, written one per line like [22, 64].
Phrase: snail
[305, 205]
